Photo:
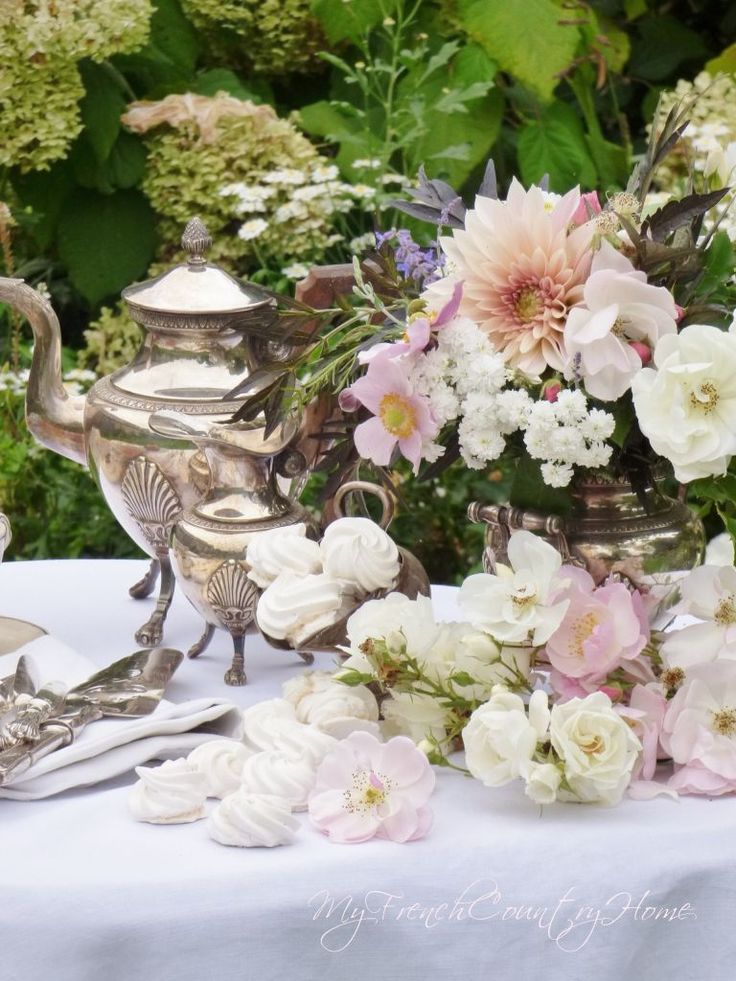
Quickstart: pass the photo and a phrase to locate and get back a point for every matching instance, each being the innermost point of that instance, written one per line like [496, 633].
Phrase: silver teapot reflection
[203, 334]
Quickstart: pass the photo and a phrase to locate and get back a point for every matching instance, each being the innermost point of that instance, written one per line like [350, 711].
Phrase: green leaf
[725, 62]
[634, 8]
[460, 151]
[525, 37]
[555, 144]
[618, 49]
[476, 130]
[625, 416]
[664, 44]
[223, 80]
[106, 241]
[124, 167]
[454, 100]
[463, 679]
[347, 19]
[173, 36]
[528, 490]
[719, 263]
[45, 193]
[326, 119]
[101, 107]
[717, 489]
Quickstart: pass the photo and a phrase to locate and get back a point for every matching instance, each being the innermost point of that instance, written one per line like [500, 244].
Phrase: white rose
[500, 739]
[420, 717]
[687, 406]
[329, 705]
[384, 618]
[542, 782]
[597, 747]
[514, 605]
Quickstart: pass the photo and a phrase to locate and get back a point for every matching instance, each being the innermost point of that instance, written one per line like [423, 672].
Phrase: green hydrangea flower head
[277, 37]
[41, 42]
[204, 151]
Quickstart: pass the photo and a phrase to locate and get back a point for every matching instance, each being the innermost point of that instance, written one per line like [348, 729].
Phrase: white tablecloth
[497, 891]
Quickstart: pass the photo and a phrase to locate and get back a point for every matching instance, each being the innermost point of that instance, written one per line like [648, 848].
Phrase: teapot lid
[195, 287]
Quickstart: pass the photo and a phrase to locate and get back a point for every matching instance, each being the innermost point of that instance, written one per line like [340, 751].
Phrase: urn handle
[364, 487]
[502, 520]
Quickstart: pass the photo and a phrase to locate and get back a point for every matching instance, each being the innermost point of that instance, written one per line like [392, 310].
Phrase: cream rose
[687, 407]
[500, 739]
[597, 747]
[542, 782]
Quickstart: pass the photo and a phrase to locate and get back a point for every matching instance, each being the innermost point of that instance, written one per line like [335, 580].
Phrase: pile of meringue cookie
[261, 779]
[309, 586]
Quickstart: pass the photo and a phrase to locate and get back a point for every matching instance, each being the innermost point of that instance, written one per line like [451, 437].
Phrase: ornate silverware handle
[54, 735]
[501, 520]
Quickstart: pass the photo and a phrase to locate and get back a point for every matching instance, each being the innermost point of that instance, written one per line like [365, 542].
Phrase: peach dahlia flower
[522, 268]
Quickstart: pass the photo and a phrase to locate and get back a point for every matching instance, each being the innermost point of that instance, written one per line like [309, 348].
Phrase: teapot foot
[235, 675]
[145, 586]
[306, 656]
[196, 649]
[151, 633]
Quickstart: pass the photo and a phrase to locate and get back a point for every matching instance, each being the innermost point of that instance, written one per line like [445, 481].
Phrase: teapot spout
[55, 417]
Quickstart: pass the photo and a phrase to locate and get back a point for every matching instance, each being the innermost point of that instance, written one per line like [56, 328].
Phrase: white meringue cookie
[294, 608]
[281, 774]
[221, 761]
[173, 793]
[282, 550]
[248, 820]
[359, 552]
[330, 705]
[305, 741]
[263, 722]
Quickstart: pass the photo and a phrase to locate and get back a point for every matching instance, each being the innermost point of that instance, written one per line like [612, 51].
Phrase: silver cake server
[131, 687]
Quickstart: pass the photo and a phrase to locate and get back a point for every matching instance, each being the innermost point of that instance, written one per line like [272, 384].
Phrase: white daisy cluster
[465, 381]
[291, 198]
[566, 434]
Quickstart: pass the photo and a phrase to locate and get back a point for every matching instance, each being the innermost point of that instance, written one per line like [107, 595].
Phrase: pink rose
[589, 205]
[604, 627]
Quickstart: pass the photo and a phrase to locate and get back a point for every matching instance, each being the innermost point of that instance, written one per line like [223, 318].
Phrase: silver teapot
[204, 332]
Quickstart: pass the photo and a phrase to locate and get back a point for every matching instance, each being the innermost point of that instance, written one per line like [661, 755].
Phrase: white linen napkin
[111, 746]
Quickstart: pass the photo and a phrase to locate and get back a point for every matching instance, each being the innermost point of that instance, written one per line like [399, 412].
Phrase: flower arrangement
[559, 683]
[566, 331]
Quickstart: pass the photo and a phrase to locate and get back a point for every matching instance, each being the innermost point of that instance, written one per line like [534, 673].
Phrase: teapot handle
[365, 487]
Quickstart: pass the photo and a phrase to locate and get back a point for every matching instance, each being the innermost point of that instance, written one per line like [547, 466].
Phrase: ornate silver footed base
[152, 631]
[15, 633]
[145, 586]
[235, 675]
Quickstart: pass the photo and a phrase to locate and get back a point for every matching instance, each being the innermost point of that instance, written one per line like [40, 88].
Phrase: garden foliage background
[290, 126]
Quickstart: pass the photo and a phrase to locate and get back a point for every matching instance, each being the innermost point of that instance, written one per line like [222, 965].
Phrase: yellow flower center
[523, 597]
[528, 305]
[705, 397]
[591, 744]
[368, 790]
[724, 721]
[397, 415]
[726, 611]
[582, 629]
[619, 327]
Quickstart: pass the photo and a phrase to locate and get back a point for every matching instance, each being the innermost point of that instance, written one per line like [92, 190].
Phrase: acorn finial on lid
[196, 242]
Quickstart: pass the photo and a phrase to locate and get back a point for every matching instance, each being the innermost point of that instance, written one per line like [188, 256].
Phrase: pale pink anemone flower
[366, 788]
[613, 334]
[522, 267]
[399, 414]
[419, 330]
[604, 628]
